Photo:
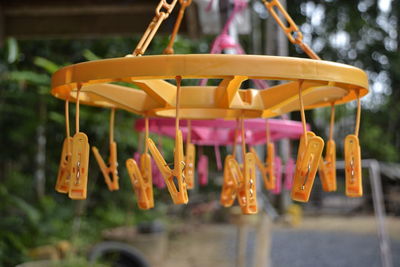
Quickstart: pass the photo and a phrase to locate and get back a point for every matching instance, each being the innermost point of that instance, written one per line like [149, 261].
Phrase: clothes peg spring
[141, 178]
[308, 158]
[64, 169]
[111, 181]
[352, 155]
[179, 194]
[327, 165]
[79, 159]
[190, 159]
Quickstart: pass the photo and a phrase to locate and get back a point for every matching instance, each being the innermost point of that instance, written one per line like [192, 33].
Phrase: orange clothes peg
[79, 159]
[308, 158]
[64, 169]
[112, 183]
[352, 156]
[142, 179]
[267, 170]
[230, 185]
[327, 165]
[246, 190]
[245, 180]
[190, 159]
[179, 195]
[231, 177]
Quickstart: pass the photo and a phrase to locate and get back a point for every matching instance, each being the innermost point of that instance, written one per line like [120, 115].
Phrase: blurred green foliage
[28, 218]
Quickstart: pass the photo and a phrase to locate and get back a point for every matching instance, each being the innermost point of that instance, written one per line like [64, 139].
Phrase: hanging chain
[170, 47]
[292, 31]
[162, 11]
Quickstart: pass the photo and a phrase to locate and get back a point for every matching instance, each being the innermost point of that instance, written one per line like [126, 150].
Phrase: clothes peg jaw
[190, 165]
[352, 154]
[112, 183]
[79, 166]
[179, 195]
[64, 169]
[141, 180]
[229, 187]
[308, 159]
[327, 168]
[246, 189]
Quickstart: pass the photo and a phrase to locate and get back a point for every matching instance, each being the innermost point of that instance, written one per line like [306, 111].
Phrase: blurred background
[39, 224]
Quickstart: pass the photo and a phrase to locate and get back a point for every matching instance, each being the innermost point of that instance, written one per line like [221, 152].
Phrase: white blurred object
[210, 18]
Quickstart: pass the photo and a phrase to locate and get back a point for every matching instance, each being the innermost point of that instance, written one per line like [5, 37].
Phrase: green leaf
[89, 55]
[12, 46]
[29, 76]
[46, 64]
[32, 213]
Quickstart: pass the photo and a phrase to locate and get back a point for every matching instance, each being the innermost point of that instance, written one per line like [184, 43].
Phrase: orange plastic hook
[267, 170]
[179, 195]
[64, 169]
[112, 183]
[79, 160]
[327, 165]
[142, 179]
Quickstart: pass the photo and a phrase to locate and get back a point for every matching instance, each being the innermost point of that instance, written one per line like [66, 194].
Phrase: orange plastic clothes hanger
[352, 157]
[79, 159]
[267, 170]
[178, 192]
[112, 169]
[308, 158]
[141, 178]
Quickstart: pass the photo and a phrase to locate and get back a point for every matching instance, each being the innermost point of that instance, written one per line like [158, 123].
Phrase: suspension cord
[178, 93]
[358, 116]
[67, 117]
[302, 113]
[243, 136]
[235, 137]
[332, 121]
[79, 86]
[112, 119]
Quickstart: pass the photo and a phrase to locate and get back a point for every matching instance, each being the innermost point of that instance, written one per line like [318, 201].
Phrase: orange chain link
[170, 47]
[162, 11]
[292, 32]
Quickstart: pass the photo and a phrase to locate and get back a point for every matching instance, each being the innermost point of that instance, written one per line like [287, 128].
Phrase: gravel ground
[312, 248]
[336, 242]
